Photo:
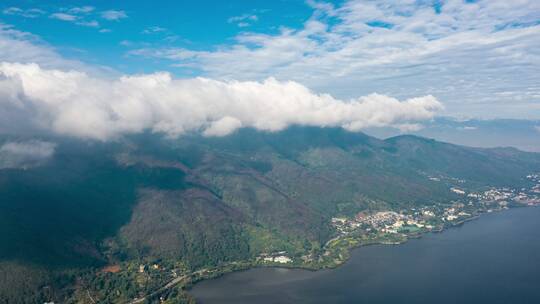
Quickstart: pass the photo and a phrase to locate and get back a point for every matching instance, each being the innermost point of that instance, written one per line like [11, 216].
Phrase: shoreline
[190, 280]
[406, 238]
[418, 265]
[250, 265]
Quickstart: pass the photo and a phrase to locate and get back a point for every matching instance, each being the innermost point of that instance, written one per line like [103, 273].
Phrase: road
[172, 283]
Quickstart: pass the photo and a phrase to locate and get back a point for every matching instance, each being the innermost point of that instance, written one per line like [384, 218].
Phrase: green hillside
[202, 201]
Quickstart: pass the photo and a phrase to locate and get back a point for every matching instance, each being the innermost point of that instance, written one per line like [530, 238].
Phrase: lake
[495, 259]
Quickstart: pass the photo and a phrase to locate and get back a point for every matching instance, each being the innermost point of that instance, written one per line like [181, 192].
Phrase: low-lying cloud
[27, 154]
[74, 103]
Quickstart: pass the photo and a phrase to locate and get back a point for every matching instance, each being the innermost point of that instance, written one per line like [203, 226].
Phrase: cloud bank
[22, 155]
[77, 104]
[470, 54]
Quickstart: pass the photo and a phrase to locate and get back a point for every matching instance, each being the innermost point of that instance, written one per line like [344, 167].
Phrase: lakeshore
[459, 265]
[366, 229]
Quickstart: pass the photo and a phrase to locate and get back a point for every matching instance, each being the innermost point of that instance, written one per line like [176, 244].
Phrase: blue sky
[349, 63]
[196, 25]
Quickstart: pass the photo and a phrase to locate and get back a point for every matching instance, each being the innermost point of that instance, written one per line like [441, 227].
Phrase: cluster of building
[429, 217]
[388, 221]
[384, 221]
[446, 178]
[277, 257]
[344, 225]
[143, 267]
[494, 195]
[503, 197]
[435, 217]
[536, 179]
[457, 190]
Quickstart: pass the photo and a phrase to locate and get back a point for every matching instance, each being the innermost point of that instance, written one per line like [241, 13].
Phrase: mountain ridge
[204, 201]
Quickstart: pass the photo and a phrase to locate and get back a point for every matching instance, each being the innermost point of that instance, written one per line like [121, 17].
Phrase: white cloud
[64, 16]
[26, 13]
[153, 30]
[92, 23]
[81, 10]
[19, 46]
[223, 126]
[74, 103]
[113, 15]
[243, 20]
[81, 15]
[464, 54]
[27, 154]
[245, 17]
[12, 11]
[537, 128]
[24, 47]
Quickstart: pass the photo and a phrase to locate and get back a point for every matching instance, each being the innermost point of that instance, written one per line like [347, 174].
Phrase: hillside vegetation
[202, 201]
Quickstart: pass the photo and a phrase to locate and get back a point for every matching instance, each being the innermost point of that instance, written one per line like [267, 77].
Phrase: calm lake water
[495, 259]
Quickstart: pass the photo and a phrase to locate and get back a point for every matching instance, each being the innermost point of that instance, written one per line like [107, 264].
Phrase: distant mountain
[203, 200]
[518, 133]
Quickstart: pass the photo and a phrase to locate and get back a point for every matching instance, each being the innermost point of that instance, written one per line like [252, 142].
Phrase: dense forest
[194, 202]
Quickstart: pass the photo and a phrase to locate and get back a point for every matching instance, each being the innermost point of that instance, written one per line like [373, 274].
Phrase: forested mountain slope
[203, 201]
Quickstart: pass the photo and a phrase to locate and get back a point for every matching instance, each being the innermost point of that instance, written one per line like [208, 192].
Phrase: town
[439, 216]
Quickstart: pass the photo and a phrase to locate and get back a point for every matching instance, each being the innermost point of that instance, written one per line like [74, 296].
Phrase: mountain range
[201, 201]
